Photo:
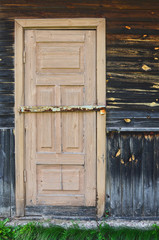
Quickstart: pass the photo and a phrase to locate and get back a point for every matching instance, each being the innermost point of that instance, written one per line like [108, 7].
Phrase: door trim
[77, 23]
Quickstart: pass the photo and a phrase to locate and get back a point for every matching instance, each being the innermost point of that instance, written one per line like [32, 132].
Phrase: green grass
[36, 231]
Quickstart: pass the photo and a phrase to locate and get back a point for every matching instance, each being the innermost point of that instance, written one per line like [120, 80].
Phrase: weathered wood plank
[148, 174]
[6, 177]
[114, 157]
[86, 213]
[156, 173]
[118, 4]
[138, 174]
[136, 143]
[12, 173]
[126, 176]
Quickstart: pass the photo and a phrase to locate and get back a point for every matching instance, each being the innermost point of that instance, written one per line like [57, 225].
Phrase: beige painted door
[60, 162]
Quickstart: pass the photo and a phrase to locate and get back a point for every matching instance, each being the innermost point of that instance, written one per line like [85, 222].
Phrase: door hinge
[25, 175]
[24, 56]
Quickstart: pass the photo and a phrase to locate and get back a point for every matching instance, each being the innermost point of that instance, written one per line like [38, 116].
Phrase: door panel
[60, 70]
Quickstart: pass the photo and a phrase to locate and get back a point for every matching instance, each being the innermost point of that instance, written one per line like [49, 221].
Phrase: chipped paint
[118, 153]
[155, 86]
[122, 161]
[111, 99]
[156, 48]
[146, 68]
[129, 89]
[127, 120]
[112, 107]
[40, 109]
[133, 157]
[149, 137]
[156, 58]
[130, 159]
[153, 104]
[128, 27]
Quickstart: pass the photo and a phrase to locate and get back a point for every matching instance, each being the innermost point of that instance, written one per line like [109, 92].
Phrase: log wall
[132, 96]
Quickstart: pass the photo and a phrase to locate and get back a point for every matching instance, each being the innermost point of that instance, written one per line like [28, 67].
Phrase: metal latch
[54, 109]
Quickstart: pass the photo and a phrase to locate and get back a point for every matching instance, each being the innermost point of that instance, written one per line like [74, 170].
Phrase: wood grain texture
[7, 173]
[132, 188]
[52, 140]
[64, 212]
[132, 50]
[19, 119]
[132, 43]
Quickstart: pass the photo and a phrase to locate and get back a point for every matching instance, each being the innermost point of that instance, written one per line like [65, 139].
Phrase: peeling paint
[156, 48]
[128, 27]
[133, 157]
[146, 68]
[112, 107]
[127, 120]
[153, 104]
[149, 137]
[155, 86]
[111, 99]
[118, 153]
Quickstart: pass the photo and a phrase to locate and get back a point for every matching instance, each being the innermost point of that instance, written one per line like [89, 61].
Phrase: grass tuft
[36, 231]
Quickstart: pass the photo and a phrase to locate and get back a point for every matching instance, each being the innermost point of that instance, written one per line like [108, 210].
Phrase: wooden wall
[132, 91]
[132, 174]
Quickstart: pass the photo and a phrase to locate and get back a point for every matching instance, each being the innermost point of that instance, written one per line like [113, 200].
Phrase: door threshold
[61, 212]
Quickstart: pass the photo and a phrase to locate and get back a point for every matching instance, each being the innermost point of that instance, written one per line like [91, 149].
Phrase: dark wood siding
[132, 95]
[132, 56]
[132, 174]
[7, 173]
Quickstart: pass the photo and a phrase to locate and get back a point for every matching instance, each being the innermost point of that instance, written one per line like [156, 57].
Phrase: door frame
[97, 24]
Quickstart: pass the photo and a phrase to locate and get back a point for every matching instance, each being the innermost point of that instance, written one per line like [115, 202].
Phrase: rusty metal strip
[40, 109]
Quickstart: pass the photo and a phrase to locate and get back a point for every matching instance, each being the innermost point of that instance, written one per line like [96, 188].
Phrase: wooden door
[60, 70]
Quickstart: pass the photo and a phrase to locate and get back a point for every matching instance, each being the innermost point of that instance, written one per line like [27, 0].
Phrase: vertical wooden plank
[137, 177]
[19, 119]
[156, 173]
[114, 156]
[90, 119]
[12, 172]
[108, 175]
[101, 119]
[126, 175]
[4, 173]
[6, 178]
[148, 172]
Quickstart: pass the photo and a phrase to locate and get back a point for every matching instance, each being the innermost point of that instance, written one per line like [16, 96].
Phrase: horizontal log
[137, 124]
[131, 65]
[118, 4]
[143, 52]
[146, 78]
[130, 113]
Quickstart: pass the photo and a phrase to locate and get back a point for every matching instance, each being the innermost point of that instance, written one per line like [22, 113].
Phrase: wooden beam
[101, 119]
[19, 119]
